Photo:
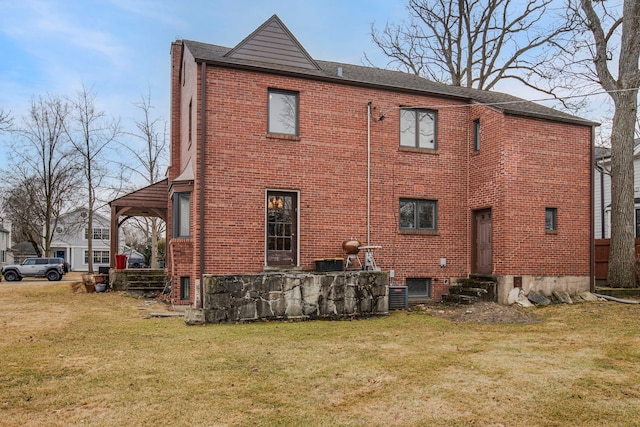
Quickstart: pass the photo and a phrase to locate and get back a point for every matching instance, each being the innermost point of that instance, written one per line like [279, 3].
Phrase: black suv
[51, 268]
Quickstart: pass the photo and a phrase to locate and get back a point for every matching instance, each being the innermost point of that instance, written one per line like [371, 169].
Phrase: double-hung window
[99, 257]
[418, 128]
[283, 112]
[181, 214]
[417, 214]
[98, 233]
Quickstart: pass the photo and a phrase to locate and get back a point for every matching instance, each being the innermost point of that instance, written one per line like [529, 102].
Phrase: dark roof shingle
[387, 79]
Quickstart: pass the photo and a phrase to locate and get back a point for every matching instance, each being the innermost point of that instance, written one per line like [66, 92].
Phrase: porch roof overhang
[150, 201]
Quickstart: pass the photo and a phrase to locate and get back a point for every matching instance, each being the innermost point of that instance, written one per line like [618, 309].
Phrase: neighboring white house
[6, 256]
[602, 191]
[71, 240]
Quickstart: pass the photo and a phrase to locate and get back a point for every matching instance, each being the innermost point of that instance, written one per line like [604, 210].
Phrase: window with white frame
[99, 233]
[99, 257]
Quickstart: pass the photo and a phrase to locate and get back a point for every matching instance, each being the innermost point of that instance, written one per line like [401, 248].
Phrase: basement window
[418, 288]
[185, 288]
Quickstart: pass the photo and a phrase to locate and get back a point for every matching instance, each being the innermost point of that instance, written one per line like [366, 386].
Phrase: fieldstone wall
[295, 295]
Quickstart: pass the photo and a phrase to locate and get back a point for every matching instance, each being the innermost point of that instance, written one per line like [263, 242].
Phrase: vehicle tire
[11, 276]
[53, 276]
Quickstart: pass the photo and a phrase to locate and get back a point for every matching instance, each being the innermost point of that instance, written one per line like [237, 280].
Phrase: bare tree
[474, 43]
[43, 173]
[615, 33]
[17, 203]
[91, 133]
[151, 157]
[5, 120]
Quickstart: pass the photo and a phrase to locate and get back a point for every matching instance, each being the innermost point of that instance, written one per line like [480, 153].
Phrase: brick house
[277, 158]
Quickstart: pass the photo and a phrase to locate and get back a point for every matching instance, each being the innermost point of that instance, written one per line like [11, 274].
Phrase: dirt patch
[481, 312]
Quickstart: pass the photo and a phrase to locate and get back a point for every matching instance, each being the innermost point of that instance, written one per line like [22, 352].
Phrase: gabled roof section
[273, 43]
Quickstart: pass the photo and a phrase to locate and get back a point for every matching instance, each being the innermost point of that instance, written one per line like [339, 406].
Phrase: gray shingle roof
[385, 79]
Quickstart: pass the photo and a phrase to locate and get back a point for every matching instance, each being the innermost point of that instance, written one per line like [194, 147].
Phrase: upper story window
[181, 214]
[476, 135]
[98, 233]
[283, 112]
[418, 128]
[416, 214]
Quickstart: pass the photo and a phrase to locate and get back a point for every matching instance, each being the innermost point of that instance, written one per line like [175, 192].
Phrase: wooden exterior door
[282, 228]
[482, 261]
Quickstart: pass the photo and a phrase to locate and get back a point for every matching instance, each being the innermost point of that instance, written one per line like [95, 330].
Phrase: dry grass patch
[99, 360]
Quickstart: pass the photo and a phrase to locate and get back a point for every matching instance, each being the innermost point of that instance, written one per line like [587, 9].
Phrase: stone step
[474, 283]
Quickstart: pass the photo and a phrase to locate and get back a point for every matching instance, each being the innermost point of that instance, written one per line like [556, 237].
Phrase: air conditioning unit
[398, 298]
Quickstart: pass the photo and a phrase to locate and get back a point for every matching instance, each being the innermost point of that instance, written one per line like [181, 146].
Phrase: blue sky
[120, 48]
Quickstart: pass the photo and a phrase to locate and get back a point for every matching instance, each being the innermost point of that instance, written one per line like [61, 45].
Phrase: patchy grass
[99, 360]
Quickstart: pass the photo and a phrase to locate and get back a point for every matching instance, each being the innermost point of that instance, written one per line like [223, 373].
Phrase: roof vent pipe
[339, 71]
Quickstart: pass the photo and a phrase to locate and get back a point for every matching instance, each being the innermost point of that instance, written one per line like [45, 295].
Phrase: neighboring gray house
[70, 240]
[6, 256]
[602, 191]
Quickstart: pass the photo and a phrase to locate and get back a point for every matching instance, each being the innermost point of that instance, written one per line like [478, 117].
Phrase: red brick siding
[327, 165]
[547, 165]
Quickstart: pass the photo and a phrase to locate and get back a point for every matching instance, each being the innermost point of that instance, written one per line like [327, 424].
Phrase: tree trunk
[622, 253]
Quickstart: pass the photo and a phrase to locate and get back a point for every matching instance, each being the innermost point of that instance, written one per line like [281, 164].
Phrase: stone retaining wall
[295, 295]
[544, 285]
